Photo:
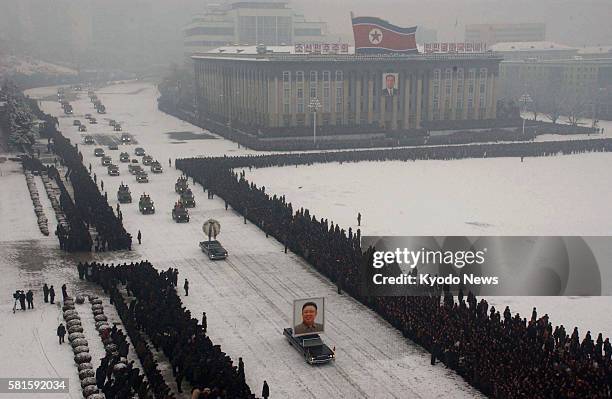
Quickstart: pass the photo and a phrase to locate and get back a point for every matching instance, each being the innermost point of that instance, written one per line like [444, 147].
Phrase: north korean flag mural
[377, 36]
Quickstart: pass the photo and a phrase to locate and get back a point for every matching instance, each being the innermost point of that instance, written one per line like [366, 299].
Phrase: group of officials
[502, 356]
[152, 308]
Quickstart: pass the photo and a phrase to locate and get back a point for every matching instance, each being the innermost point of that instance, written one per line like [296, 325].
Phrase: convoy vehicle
[156, 167]
[68, 109]
[123, 194]
[87, 116]
[124, 157]
[93, 121]
[180, 213]
[134, 167]
[112, 122]
[88, 140]
[76, 122]
[310, 346]
[101, 109]
[145, 205]
[125, 138]
[147, 160]
[213, 249]
[82, 128]
[181, 185]
[113, 147]
[106, 160]
[117, 127]
[188, 199]
[139, 151]
[142, 177]
[99, 152]
[113, 170]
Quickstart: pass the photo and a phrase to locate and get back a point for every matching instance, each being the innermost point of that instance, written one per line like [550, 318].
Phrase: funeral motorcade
[123, 194]
[180, 213]
[124, 157]
[147, 160]
[82, 128]
[113, 170]
[139, 151]
[106, 160]
[145, 205]
[99, 152]
[181, 185]
[88, 140]
[213, 249]
[188, 199]
[156, 167]
[142, 177]
[308, 322]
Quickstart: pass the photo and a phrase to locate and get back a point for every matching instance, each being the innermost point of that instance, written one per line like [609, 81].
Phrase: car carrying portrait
[308, 316]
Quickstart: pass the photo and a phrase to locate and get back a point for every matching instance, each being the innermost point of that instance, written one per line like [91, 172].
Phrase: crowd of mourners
[504, 356]
[151, 308]
[89, 204]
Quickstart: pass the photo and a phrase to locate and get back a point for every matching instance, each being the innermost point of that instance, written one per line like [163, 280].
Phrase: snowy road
[248, 297]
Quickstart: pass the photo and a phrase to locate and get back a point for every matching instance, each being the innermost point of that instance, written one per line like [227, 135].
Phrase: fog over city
[306, 199]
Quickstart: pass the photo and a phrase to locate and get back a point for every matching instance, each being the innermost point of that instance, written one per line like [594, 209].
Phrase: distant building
[586, 80]
[426, 35]
[534, 51]
[496, 33]
[250, 22]
[272, 89]
[595, 52]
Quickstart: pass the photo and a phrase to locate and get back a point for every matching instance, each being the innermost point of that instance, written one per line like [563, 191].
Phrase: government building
[270, 89]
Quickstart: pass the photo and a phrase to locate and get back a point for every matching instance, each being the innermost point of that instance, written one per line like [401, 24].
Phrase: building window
[286, 108]
[326, 76]
[286, 77]
[436, 74]
[300, 93]
[300, 108]
[299, 76]
[339, 77]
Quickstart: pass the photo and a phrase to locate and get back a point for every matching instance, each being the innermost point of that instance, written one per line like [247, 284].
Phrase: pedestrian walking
[46, 292]
[52, 294]
[102, 184]
[61, 332]
[358, 219]
[186, 287]
[265, 391]
[139, 236]
[30, 299]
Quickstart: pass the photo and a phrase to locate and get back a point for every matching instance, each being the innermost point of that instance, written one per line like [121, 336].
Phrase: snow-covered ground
[248, 298]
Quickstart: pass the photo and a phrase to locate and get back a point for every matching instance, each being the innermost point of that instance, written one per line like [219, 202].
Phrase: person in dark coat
[61, 332]
[46, 292]
[186, 287]
[204, 322]
[265, 391]
[52, 294]
[30, 299]
[22, 300]
[64, 292]
[139, 236]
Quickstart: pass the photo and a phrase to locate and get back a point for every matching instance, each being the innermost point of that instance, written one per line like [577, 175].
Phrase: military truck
[180, 213]
[145, 205]
[181, 185]
[156, 167]
[188, 199]
[123, 195]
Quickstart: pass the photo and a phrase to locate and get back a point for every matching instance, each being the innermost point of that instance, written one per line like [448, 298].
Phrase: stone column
[370, 99]
[418, 100]
[406, 94]
[358, 99]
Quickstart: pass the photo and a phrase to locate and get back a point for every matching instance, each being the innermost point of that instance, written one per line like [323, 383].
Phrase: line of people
[155, 309]
[507, 358]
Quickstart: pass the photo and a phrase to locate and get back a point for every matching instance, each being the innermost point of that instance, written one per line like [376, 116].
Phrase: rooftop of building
[288, 53]
[595, 50]
[529, 46]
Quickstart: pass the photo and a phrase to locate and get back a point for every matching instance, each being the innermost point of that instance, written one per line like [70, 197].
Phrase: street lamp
[314, 105]
[525, 99]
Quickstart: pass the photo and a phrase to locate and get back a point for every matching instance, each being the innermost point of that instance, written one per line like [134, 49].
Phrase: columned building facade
[277, 91]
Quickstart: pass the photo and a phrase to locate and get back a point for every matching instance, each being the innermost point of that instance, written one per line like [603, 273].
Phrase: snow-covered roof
[530, 46]
[595, 50]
